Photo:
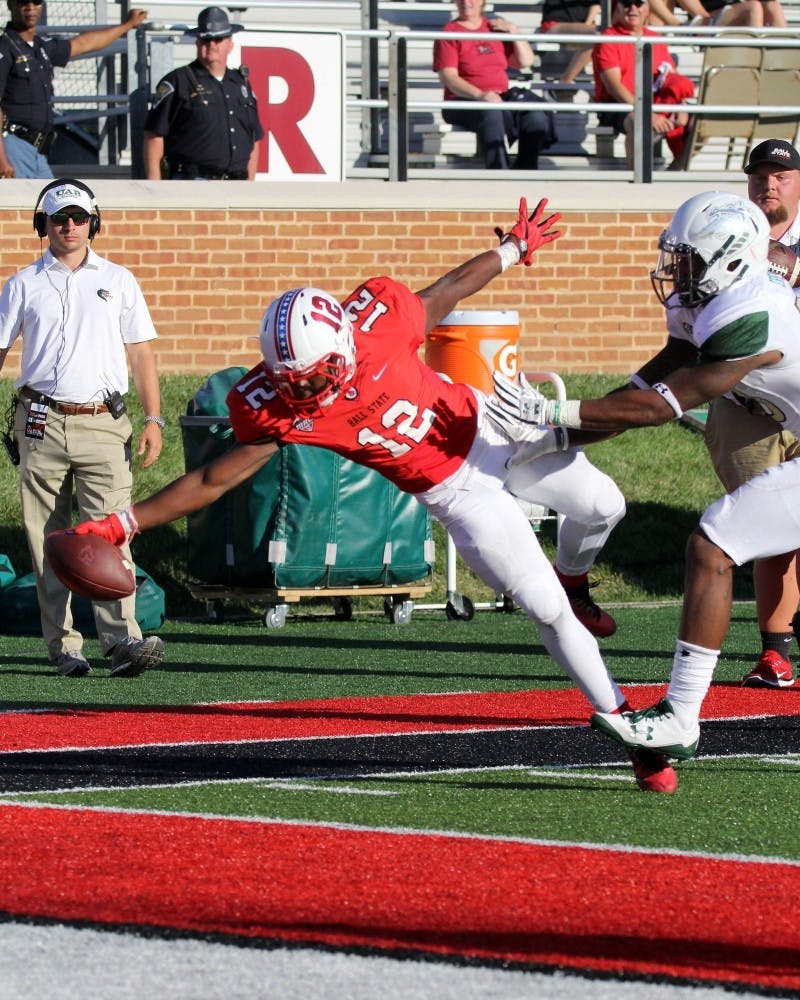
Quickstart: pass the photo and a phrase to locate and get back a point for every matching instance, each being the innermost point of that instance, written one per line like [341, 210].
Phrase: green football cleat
[654, 728]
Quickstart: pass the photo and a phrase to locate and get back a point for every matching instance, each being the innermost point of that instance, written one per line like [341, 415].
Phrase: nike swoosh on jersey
[378, 374]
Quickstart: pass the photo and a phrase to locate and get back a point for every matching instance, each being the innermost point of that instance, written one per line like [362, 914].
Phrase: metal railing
[384, 79]
[399, 104]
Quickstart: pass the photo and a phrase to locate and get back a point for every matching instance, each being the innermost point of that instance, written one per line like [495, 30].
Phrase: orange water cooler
[469, 345]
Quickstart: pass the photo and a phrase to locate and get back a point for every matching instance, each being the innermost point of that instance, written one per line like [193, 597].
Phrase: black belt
[68, 409]
[190, 171]
[41, 141]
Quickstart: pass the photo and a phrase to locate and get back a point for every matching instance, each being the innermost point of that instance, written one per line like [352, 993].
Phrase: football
[785, 262]
[89, 565]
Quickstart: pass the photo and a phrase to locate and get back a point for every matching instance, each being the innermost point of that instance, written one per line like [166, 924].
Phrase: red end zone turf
[321, 718]
[662, 915]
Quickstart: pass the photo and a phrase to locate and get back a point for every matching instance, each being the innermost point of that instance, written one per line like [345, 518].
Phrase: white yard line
[39, 962]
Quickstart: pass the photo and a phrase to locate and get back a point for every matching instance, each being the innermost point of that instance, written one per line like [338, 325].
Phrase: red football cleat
[592, 617]
[653, 772]
[772, 670]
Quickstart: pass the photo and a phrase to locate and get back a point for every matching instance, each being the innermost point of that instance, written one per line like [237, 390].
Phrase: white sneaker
[654, 728]
[72, 664]
[132, 657]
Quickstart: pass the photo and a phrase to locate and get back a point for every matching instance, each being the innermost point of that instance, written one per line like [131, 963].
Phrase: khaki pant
[92, 456]
[743, 444]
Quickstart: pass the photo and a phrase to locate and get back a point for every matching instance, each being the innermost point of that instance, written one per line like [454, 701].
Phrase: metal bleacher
[583, 147]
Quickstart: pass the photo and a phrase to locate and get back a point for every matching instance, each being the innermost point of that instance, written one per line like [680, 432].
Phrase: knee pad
[610, 502]
[543, 601]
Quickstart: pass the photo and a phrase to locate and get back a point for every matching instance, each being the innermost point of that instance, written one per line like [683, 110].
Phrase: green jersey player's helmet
[713, 240]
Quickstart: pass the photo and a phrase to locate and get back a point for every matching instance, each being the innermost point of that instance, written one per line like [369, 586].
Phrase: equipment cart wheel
[459, 608]
[398, 610]
[342, 609]
[216, 612]
[508, 606]
[275, 615]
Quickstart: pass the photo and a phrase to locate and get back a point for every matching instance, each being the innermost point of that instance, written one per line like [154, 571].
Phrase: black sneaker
[72, 664]
[132, 657]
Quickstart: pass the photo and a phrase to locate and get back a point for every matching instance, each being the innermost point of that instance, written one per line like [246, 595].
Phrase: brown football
[785, 262]
[89, 565]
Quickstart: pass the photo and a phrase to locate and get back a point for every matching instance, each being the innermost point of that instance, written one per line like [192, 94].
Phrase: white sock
[692, 672]
[576, 651]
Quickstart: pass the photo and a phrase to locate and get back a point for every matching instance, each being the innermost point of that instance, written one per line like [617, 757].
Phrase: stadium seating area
[768, 77]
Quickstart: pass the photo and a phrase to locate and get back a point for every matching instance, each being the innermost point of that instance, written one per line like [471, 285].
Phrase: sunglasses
[62, 218]
[633, 3]
[24, 3]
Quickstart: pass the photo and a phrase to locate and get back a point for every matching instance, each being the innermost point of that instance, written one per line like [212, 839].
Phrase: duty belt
[41, 141]
[193, 170]
[57, 406]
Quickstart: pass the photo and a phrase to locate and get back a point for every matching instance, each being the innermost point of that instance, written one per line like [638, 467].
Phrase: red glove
[116, 528]
[531, 233]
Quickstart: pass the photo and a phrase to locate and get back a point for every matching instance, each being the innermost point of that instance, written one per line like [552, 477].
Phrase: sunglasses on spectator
[633, 3]
[62, 218]
[24, 3]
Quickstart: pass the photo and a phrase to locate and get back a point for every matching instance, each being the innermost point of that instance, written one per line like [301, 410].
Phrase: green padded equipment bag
[7, 574]
[308, 519]
[19, 607]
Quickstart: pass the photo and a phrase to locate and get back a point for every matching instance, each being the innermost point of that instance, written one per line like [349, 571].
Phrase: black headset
[40, 219]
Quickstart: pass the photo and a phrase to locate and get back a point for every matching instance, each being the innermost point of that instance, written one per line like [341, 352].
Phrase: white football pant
[495, 539]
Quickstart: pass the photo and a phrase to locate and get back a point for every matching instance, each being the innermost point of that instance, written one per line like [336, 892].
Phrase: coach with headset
[79, 316]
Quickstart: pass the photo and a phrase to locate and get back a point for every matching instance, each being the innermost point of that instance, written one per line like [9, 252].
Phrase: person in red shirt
[348, 377]
[614, 75]
[477, 70]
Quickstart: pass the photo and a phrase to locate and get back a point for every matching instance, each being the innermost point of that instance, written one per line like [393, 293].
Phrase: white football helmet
[713, 240]
[307, 343]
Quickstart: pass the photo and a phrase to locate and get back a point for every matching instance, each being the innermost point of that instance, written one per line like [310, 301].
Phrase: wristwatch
[156, 420]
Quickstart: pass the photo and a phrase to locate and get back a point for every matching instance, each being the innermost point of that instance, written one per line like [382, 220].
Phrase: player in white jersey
[743, 444]
[733, 328]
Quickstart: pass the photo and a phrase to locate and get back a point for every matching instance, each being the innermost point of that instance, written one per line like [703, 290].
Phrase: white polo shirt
[74, 325]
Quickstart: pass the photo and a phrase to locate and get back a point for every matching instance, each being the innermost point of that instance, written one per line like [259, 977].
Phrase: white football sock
[576, 651]
[692, 673]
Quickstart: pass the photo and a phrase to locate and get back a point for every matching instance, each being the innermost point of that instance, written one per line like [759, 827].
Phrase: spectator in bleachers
[720, 13]
[614, 80]
[477, 70]
[571, 17]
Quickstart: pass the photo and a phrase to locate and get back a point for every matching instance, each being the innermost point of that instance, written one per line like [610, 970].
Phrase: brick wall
[208, 275]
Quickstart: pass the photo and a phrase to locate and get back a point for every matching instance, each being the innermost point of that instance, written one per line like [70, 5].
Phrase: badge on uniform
[36, 420]
[163, 90]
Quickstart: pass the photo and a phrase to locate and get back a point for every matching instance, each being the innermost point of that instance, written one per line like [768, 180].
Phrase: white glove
[551, 439]
[519, 399]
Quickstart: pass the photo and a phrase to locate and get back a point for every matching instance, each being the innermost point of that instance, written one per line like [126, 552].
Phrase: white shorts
[761, 518]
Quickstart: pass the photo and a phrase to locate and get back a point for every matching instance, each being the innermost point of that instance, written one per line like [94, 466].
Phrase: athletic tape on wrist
[129, 523]
[669, 397]
[508, 253]
[638, 381]
[562, 413]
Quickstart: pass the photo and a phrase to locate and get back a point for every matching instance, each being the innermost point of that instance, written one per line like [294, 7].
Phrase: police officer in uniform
[27, 63]
[203, 123]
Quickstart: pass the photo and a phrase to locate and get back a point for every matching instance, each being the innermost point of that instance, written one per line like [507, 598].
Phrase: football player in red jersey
[348, 377]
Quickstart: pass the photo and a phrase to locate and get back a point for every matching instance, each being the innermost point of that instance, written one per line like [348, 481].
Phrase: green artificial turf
[737, 806]
[323, 658]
